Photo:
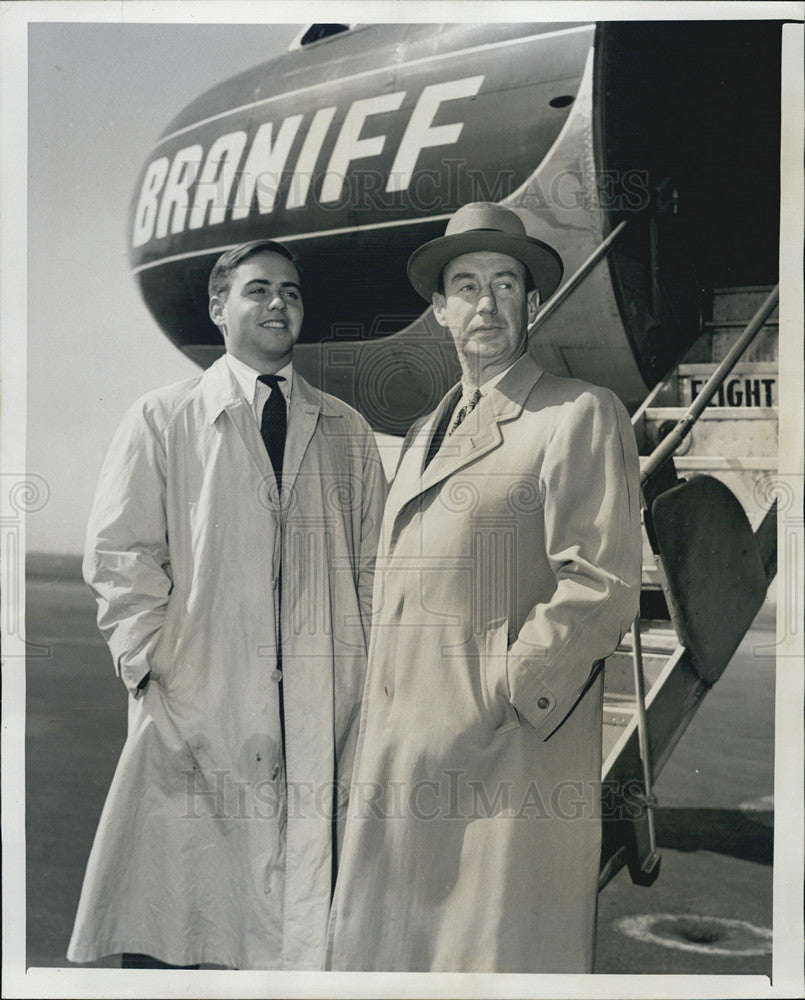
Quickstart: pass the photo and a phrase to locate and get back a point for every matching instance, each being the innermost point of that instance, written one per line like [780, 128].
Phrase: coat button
[543, 703]
[276, 676]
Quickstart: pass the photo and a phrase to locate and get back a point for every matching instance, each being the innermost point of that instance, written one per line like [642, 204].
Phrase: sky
[99, 96]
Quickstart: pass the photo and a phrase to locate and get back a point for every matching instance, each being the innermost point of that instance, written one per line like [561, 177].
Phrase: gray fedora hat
[484, 225]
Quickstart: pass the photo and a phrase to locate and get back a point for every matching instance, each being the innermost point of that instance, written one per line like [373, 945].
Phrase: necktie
[468, 407]
[273, 424]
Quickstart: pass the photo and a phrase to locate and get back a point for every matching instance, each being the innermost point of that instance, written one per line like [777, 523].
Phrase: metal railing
[576, 279]
[661, 453]
[671, 442]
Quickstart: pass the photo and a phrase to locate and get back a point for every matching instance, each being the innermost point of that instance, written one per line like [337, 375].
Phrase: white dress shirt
[254, 392]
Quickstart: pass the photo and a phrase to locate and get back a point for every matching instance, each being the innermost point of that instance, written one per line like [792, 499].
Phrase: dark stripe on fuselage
[332, 270]
[339, 155]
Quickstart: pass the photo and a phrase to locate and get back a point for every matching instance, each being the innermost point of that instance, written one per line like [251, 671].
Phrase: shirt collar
[489, 384]
[247, 376]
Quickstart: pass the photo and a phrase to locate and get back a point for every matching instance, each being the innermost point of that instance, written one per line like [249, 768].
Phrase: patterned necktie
[468, 407]
[274, 423]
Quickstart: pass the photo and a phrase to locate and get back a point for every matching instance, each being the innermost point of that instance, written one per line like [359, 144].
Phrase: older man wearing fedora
[509, 567]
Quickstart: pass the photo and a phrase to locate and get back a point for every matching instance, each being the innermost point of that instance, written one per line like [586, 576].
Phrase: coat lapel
[478, 435]
[407, 480]
[418, 449]
[221, 394]
[303, 415]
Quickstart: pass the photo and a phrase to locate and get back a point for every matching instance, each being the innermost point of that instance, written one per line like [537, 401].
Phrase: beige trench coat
[506, 570]
[200, 855]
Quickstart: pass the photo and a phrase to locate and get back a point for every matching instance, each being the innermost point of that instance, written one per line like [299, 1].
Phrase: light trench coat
[210, 847]
[507, 569]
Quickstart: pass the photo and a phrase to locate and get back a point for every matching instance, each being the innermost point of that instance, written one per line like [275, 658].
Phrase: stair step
[619, 671]
[655, 637]
[725, 317]
[732, 310]
[717, 339]
[725, 437]
[727, 413]
[732, 463]
[739, 304]
[762, 348]
[620, 703]
[742, 367]
[737, 324]
[720, 430]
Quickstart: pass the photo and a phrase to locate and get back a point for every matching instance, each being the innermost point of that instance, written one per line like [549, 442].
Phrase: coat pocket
[495, 678]
[162, 654]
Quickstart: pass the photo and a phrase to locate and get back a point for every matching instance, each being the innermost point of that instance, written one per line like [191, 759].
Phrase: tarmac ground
[710, 911]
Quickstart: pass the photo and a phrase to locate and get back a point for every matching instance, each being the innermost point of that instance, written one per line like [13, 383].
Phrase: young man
[509, 567]
[231, 549]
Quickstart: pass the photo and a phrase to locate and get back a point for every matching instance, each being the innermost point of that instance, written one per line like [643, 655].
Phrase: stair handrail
[649, 799]
[685, 425]
[602, 250]
[581, 273]
[666, 448]
[649, 400]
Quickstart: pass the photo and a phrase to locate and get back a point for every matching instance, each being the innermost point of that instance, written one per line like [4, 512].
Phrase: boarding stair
[735, 439]
[708, 436]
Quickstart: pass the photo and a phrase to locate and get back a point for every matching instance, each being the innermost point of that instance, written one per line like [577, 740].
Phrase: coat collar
[220, 393]
[479, 435]
[219, 389]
